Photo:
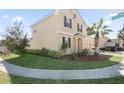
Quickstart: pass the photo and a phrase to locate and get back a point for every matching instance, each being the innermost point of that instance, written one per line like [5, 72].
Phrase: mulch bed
[68, 57]
[86, 58]
[93, 58]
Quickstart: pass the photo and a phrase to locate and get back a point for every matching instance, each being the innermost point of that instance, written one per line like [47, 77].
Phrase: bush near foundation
[57, 54]
[44, 52]
[83, 52]
[33, 51]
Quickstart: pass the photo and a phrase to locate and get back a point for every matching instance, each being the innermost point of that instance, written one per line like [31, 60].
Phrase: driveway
[107, 72]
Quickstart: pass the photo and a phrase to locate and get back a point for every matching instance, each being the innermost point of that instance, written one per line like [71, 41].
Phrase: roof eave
[42, 19]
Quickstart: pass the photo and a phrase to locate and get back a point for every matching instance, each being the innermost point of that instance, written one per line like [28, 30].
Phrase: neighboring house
[59, 27]
[114, 43]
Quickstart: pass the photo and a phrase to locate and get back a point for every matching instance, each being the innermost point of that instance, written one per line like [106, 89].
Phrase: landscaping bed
[86, 58]
[35, 61]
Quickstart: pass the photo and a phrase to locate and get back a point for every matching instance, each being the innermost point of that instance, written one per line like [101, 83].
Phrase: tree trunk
[96, 44]
[123, 43]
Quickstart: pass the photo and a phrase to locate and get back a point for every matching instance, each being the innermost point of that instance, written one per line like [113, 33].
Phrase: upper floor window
[67, 22]
[79, 27]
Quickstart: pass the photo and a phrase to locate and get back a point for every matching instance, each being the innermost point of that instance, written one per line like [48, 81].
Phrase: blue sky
[32, 15]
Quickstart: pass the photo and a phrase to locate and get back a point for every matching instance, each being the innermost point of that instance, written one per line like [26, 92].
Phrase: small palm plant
[63, 49]
[96, 29]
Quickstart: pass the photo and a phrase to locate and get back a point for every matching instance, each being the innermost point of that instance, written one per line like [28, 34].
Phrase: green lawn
[34, 61]
[119, 53]
[5, 78]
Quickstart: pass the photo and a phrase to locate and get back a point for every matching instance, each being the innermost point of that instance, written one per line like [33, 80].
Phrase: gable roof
[73, 11]
[114, 40]
[79, 17]
[42, 19]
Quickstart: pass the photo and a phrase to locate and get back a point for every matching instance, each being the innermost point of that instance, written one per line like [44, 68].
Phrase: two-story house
[59, 27]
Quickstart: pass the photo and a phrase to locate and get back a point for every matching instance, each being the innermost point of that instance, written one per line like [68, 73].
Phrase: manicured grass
[5, 78]
[34, 61]
[119, 53]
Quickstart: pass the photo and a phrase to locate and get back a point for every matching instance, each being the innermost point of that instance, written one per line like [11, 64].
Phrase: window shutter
[70, 23]
[69, 42]
[77, 27]
[63, 40]
[65, 20]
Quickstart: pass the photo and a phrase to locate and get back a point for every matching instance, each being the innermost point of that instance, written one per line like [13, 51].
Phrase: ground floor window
[68, 41]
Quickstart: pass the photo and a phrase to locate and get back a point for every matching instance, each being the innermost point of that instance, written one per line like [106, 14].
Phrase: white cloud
[112, 14]
[108, 18]
[5, 16]
[108, 22]
[18, 18]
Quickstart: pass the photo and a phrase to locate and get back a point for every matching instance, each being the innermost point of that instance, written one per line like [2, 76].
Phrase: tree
[96, 29]
[121, 34]
[15, 40]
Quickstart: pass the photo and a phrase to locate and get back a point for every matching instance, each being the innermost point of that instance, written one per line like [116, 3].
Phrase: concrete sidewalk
[107, 72]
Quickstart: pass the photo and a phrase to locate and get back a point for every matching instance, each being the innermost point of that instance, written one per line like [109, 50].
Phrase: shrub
[113, 49]
[54, 54]
[103, 49]
[63, 48]
[44, 52]
[33, 51]
[120, 49]
[84, 52]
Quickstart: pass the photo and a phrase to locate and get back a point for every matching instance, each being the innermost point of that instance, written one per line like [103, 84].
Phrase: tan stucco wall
[45, 35]
[48, 35]
[88, 43]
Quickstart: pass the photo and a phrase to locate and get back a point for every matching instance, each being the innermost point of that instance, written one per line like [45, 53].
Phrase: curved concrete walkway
[111, 71]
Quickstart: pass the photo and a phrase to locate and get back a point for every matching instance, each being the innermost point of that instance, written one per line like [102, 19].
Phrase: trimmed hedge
[55, 54]
[84, 52]
[44, 52]
[111, 49]
[105, 49]
[120, 49]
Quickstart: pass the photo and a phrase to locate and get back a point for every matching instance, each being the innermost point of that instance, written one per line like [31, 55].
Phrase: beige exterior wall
[51, 30]
[102, 41]
[88, 43]
[46, 36]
